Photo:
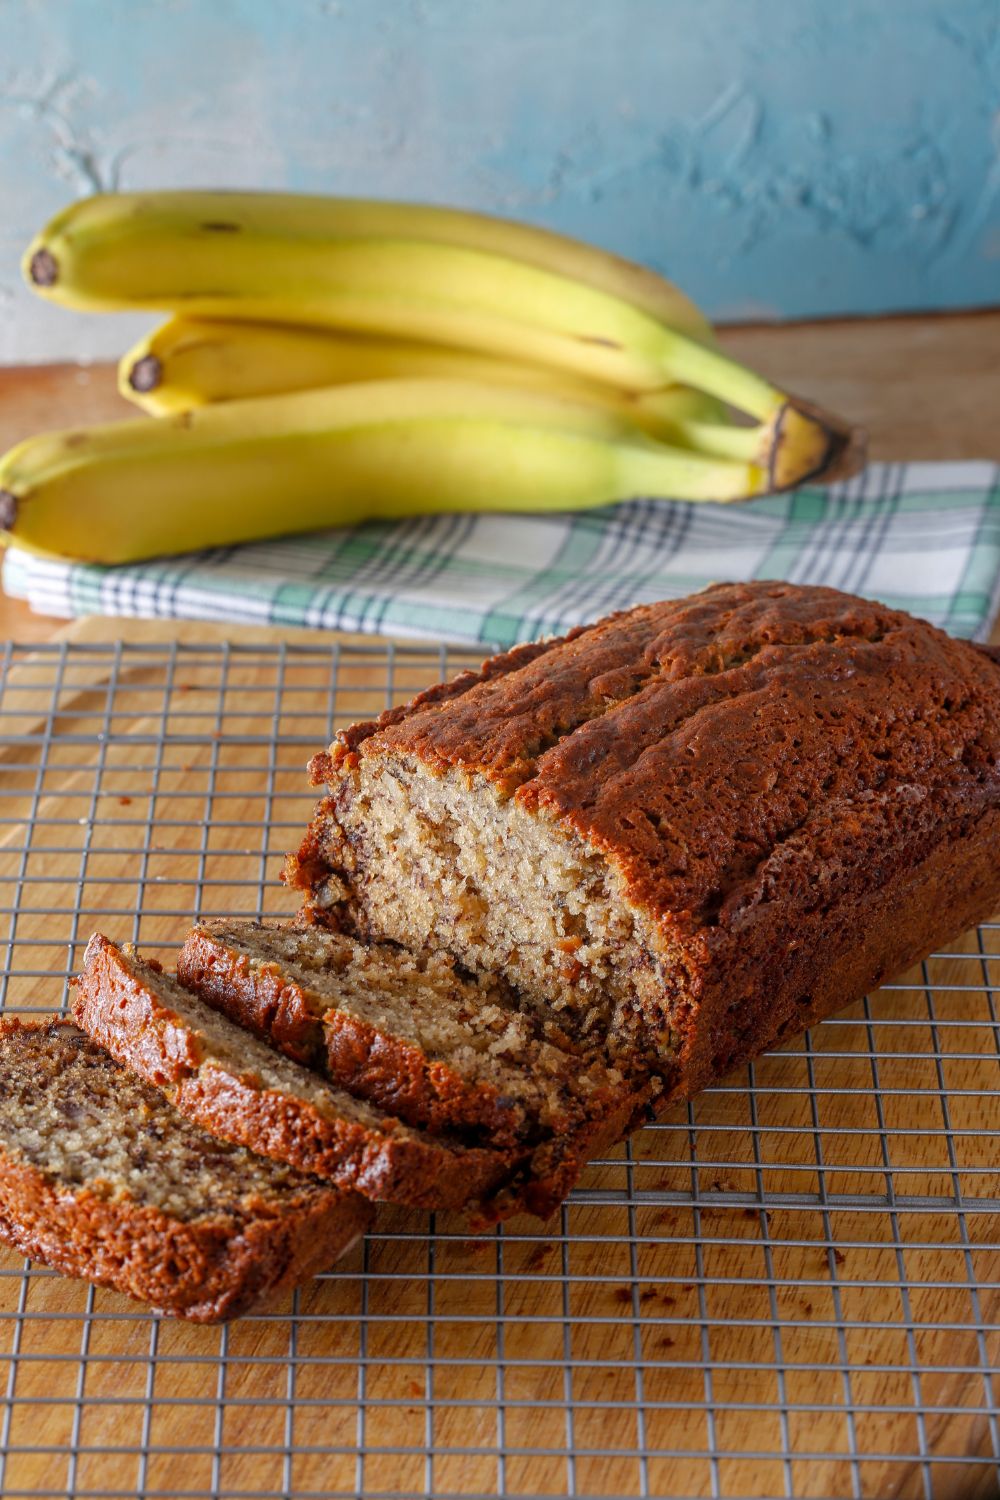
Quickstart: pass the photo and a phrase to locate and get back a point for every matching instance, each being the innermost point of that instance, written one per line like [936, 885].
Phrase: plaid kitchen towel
[923, 537]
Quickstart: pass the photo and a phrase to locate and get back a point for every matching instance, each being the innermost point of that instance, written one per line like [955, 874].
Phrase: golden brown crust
[117, 1004]
[205, 1269]
[440, 694]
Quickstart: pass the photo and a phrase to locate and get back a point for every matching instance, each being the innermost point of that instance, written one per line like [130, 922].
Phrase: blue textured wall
[779, 158]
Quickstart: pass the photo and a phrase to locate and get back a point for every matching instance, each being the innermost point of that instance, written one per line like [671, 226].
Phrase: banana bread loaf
[687, 831]
[403, 1030]
[101, 1178]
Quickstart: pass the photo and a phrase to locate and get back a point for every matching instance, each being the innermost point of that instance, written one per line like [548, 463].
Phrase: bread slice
[101, 1178]
[404, 1030]
[238, 1088]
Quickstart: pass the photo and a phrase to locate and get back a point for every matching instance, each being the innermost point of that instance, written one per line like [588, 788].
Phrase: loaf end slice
[101, 1178]
[406, 1031]
[236, 1087]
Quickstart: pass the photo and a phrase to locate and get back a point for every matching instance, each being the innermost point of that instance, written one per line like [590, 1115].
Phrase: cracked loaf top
[728, 749]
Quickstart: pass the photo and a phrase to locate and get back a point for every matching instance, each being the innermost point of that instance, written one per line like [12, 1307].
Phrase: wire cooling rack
[787, 1288]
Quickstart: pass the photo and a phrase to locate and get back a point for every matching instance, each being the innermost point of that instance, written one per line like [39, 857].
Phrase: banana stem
[709, 370]
[670, 473]
[726, 440]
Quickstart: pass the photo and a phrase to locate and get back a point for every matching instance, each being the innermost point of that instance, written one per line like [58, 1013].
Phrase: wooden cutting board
[735, 1296]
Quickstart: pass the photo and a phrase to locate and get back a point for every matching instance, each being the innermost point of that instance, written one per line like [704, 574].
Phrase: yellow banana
[247, 469]
[415, 273]
[285, 222]
[196, 362]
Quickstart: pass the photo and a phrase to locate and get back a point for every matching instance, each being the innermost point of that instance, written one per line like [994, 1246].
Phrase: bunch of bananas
[330, 360]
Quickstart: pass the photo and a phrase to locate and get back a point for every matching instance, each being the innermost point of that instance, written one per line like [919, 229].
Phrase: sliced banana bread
[403, 1030]
[101, 1178]
[235, 1086]
[691, 829]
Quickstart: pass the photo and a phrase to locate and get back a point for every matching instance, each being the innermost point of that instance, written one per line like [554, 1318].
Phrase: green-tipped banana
[197, 362]
[248, 469]
[420, 274]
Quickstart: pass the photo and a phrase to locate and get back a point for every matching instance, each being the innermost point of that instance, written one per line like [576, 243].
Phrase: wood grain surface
[786, 1339]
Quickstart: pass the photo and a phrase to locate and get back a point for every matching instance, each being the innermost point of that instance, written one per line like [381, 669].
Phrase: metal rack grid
[790, 1287]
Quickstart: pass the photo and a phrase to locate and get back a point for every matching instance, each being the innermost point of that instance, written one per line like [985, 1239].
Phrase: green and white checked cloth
[922, 537]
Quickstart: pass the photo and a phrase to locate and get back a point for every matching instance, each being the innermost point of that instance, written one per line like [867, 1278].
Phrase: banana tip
[8, 510]
[145, 374]
[43, 268]
[809, 444]
[847, 454]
